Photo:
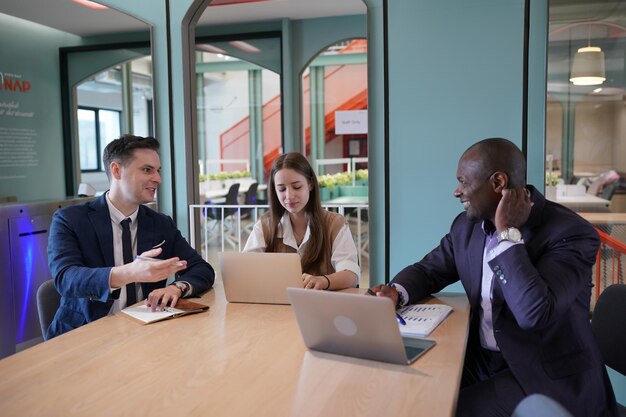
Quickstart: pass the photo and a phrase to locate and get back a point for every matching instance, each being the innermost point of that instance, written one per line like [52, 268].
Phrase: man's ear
[500, 181]
[116, 170]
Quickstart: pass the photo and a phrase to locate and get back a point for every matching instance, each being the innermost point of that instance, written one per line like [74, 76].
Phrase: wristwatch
[511, 234]
[182, 286]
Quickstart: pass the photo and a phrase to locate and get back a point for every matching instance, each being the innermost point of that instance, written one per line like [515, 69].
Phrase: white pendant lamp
[588, 66]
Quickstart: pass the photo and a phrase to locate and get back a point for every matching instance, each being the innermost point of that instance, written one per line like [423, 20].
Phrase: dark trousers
[488, 387]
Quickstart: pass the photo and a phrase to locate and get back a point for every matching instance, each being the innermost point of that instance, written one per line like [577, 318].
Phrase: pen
[159, 245]
[398, 316]
[146, 258]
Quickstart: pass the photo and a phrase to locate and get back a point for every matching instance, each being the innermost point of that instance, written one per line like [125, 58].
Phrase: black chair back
[251, 194]
[251, 197]
[231, 199]
[609, 326]
[48, 302]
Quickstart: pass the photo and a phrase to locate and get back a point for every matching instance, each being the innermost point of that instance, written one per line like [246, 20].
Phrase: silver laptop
[353, 325]
[252, 277]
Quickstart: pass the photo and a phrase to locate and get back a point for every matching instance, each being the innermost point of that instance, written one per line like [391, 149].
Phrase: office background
[441, 75]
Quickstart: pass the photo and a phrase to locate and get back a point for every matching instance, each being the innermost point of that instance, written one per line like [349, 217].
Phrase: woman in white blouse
[297, 223]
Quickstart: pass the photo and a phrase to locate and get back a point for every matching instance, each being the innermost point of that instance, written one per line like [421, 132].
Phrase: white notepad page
[422, 319]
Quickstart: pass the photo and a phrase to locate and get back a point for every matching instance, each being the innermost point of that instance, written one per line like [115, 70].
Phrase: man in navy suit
[525, 264]
[93, 268]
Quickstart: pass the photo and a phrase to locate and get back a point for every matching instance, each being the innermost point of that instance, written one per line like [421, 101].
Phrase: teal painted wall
[537, 77]
[442, 63]
[455, 77]
[31, 51]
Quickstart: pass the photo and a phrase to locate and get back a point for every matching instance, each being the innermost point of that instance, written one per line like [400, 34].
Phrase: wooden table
[605, 218]
[234, 360]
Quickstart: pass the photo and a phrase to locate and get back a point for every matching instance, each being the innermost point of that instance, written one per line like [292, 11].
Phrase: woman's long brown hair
[313, 210]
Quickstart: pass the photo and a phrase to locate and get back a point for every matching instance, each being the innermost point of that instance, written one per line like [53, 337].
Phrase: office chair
[230, 199]
[539, 405]
[246, 213]
[251, 196]
[225, 215]
[48, 301]
[608, 323]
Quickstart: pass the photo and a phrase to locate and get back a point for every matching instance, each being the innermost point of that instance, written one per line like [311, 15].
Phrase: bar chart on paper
[422, 319]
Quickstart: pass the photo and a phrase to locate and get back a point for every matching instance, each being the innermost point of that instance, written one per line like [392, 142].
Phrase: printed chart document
[421, 319]
[183, 307]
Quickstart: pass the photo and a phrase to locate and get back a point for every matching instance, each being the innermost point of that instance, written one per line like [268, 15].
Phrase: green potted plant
[327, 186]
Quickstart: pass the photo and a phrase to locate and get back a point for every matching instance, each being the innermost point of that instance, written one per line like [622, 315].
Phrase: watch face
[514, 234]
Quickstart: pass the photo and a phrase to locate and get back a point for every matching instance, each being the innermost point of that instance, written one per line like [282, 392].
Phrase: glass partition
[334, 105]
[109, 103]
[586, 111]
[239, 110]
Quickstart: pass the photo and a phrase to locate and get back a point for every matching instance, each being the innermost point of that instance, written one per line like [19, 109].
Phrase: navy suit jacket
[541, 296]
[80, 257]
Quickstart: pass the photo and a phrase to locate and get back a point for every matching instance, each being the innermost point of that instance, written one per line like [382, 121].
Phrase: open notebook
[142, 313]
[421, 319]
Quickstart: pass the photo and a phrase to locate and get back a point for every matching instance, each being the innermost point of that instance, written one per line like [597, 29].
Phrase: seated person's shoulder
[158, 217]
[74, 210]
[334, 220]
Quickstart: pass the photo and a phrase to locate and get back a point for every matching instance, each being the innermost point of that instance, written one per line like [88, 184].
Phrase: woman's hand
[313, 282]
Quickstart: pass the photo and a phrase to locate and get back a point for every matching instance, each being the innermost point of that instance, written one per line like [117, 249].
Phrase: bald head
[497, 154]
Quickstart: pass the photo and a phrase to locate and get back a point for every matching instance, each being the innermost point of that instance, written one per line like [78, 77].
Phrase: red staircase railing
[610, 256]
[235, 140]
[358, 102]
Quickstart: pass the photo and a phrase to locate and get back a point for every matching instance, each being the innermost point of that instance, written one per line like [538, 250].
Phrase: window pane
[87, 140]
[585, 134]
[240, 106]
[109, 124]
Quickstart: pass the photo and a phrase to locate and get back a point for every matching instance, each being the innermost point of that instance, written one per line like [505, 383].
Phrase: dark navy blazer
[540, 306]
[80, 257]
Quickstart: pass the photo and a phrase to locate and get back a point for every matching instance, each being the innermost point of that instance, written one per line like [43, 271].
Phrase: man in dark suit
[92, 247]
[525, 264]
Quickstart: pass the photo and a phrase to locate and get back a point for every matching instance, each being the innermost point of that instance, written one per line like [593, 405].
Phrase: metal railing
[609, 267]
[217, 227]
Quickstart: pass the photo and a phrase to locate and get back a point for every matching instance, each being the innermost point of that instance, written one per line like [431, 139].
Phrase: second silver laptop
[252, 277]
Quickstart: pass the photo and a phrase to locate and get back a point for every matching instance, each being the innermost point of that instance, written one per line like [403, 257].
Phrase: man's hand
[144, 270]
[163, 297]
[385, 291]
[513, 209]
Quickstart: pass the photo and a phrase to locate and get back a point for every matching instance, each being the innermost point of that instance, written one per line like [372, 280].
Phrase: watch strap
[183, 286]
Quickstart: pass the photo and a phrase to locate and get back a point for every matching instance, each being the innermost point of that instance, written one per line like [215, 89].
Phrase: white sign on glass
[350, 122]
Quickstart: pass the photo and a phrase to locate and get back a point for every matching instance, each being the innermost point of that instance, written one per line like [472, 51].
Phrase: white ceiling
[71, 17]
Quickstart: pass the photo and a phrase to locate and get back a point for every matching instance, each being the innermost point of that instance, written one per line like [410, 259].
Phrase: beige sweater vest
[333, 223]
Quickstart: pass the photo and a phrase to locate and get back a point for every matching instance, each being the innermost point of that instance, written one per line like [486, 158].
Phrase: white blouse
[344, 255]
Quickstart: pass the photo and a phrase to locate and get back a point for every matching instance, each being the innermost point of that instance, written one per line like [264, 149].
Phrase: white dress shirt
[118, 254]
